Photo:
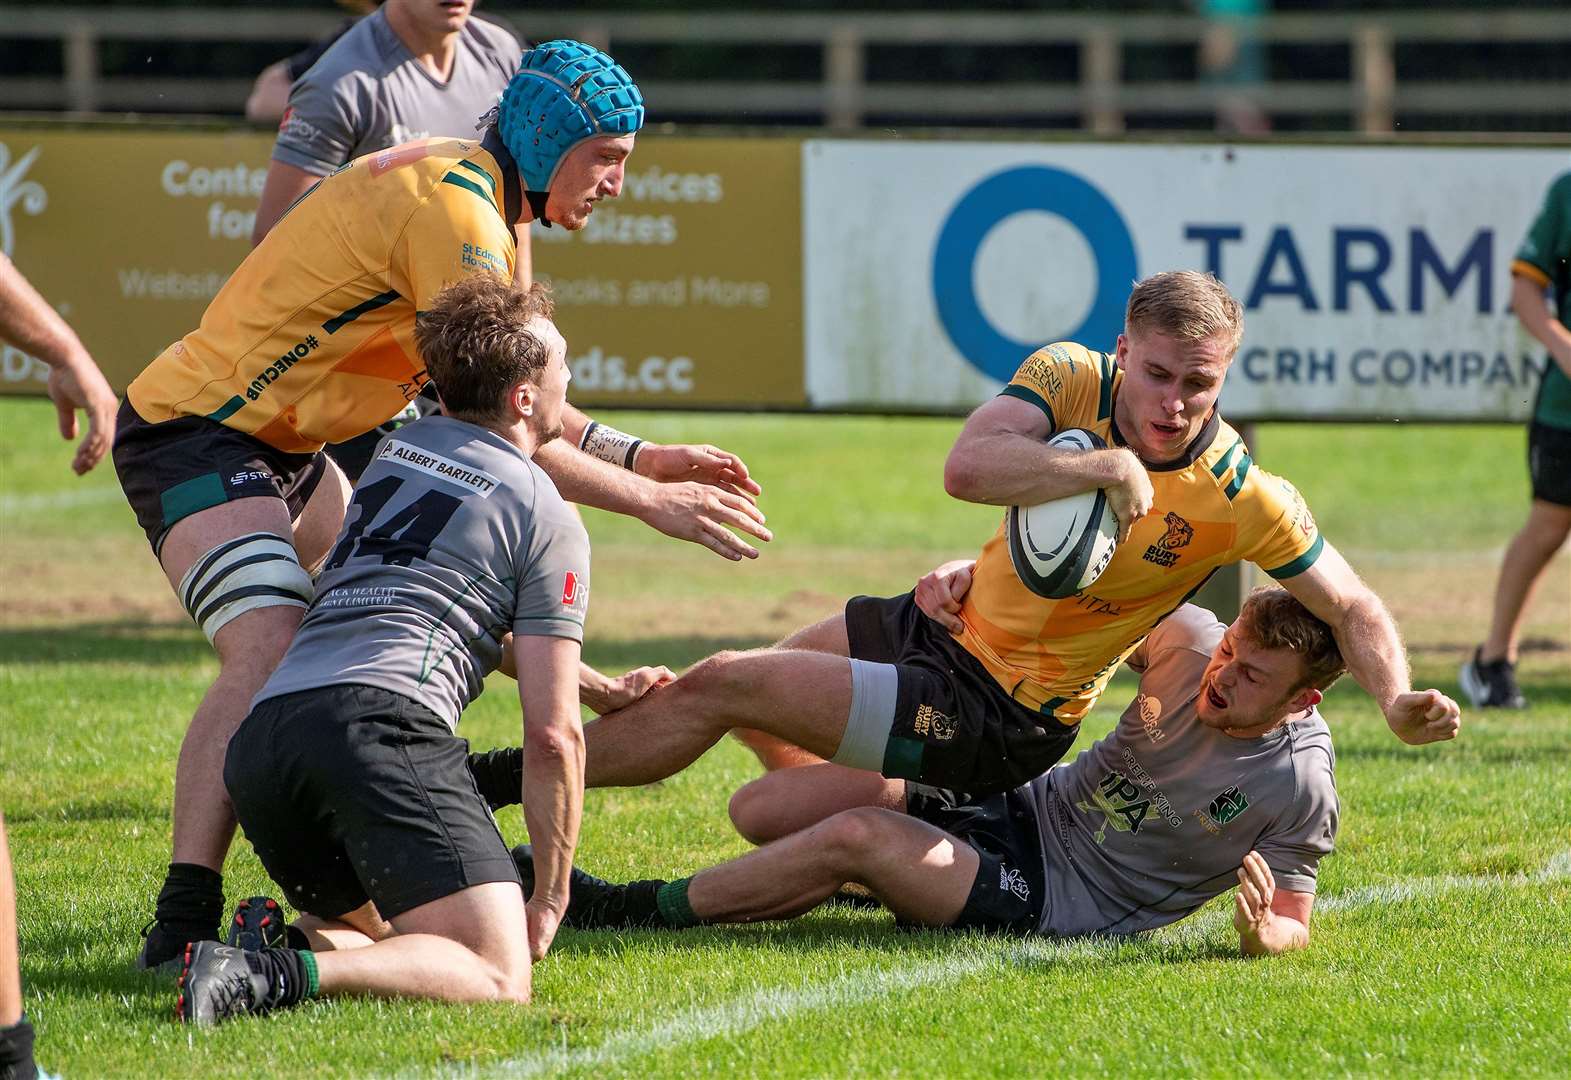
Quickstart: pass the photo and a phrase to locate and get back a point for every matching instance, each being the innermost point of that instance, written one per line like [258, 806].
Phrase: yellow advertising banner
[684, 292]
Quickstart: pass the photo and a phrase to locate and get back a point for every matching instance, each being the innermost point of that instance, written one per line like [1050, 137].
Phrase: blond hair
[1185, 304]
[1273, 619]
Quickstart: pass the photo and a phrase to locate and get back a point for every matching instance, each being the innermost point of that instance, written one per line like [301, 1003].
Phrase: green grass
[1440, 944]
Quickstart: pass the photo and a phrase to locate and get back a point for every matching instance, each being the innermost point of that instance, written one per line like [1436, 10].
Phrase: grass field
[1442, 937]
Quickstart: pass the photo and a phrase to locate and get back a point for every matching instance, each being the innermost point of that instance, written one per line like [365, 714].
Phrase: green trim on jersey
[227, 409]
[469, 185]
[1300, 564]
[1031, 397]
[343, 319]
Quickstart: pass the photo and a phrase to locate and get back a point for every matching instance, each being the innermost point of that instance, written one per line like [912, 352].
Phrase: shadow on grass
[129, 641]
[180, 644]
[110, 809]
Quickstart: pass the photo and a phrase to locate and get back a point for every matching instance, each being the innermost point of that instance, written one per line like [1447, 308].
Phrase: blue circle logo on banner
[989, 204]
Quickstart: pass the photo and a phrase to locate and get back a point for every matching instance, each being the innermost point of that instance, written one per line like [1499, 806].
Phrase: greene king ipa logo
[13, 190]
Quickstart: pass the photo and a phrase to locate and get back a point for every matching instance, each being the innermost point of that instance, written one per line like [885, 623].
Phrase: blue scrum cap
[564, 93]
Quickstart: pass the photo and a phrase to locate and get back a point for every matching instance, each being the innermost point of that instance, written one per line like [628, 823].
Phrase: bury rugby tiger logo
[1165, 551]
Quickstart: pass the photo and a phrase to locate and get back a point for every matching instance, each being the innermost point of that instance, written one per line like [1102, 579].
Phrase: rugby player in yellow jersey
[998, 702]
[310, 341]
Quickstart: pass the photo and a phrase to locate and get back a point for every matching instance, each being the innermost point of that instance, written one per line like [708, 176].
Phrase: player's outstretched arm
[1372, 648]
[664, 463]
[699, 513]
[553, 774]
[1001, 458]
[27, 320]
[1269, 920]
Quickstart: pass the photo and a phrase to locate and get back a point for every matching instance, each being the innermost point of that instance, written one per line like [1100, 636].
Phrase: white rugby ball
[1062, 546]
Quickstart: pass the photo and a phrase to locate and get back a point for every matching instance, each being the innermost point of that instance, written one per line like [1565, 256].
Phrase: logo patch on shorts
[1011, 881]
[929, 721]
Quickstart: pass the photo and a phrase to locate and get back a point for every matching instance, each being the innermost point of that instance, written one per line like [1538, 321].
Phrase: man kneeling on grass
[1220, 770]
[347, 775]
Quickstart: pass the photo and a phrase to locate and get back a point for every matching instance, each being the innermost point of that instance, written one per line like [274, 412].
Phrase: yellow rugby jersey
[1211, 508]
[311, 340]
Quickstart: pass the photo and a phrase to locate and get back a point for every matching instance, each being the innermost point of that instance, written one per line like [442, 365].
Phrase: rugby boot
[258, 924]
[1491, 685]
[596, 904]
[162, 949]
[220, 982]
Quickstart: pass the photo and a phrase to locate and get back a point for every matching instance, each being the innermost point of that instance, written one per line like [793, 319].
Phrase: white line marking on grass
[749, 1011]
[56, 500]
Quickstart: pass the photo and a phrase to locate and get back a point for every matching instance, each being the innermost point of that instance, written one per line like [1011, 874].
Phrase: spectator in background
[270, 93]
[1542, 265]
[1231, 56]
[409, 70]
[28, 322]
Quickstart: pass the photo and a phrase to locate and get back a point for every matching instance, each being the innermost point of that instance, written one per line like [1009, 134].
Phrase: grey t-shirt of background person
[1155, 819]
[453, 539]
[368, 92]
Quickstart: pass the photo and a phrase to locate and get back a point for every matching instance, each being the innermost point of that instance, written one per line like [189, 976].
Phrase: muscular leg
[361, 927]
[783, 802]
[799, 696]
[1521, 573]
[470, 946]
[921, 873]
[249, 648]
[828, 636]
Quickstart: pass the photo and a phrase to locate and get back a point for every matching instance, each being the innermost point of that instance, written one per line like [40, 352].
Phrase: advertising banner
[685, 291]
[1375, 280]
[127, 232]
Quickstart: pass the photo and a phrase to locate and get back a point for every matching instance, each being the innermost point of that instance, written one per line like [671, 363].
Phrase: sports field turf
[1442, 937]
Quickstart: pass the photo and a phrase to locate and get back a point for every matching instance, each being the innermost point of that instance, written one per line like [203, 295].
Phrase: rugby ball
[1062, 546]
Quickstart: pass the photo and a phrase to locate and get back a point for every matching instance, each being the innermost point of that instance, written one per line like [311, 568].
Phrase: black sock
[289, 973]
[191, 902]
[499, 775]
[16, 1052]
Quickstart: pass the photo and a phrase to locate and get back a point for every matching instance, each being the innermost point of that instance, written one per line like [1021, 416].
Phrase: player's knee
[754, 814]
[510, 981]
[851, 835]
[257, 640]
[714, 675]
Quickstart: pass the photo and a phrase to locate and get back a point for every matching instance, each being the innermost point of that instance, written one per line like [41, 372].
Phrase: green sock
[313, 982]
[674, 908]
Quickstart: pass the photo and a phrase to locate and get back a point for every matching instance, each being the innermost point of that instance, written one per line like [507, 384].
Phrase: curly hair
[476, 343]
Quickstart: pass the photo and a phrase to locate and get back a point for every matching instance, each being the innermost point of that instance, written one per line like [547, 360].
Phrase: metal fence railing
[844, 98]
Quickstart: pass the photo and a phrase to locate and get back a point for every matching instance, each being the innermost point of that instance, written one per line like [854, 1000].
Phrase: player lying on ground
[347, 774]
[997, 702]
[1219, 772]
[311, 340]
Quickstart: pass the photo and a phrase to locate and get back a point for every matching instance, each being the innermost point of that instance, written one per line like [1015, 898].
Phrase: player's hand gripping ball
[1062, 546]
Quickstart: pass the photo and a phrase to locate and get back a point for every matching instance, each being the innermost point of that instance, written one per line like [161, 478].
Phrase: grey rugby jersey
[1155, 819]
[368, 92]
[453, 539]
